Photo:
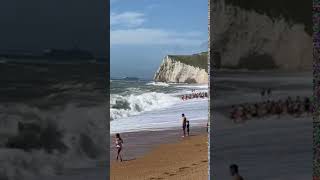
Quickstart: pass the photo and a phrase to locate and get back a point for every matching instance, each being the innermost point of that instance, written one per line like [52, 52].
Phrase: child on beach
[188, 128]
[119, 143]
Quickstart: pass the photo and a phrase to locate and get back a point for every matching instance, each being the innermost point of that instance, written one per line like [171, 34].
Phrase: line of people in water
[266, 92]
[295, 107]
[194, 95]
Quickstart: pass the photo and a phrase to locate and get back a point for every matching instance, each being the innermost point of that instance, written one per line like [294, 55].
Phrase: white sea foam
[167, 117]
[195, 86]
[84, 132]
[196, 112]
[158, 84]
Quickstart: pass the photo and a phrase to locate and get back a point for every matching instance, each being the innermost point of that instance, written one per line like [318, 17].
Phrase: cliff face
[174, 71]
[247, 39]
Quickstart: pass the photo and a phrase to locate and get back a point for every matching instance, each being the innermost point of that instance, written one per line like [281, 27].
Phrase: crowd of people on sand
[194, 95]
[295, 107]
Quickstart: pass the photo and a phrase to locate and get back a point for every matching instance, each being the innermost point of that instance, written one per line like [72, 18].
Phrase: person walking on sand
[184, 124]
[119, 143]
[234, 171]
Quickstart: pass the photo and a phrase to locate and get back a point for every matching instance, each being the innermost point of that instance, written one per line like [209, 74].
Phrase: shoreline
[153, 151]
[137, 144]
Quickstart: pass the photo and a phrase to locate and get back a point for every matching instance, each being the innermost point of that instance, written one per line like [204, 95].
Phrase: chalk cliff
[253, 39]
[183, 69]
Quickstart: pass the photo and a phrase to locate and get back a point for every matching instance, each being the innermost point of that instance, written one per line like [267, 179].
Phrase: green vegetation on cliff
[197, 60]
[294, 11]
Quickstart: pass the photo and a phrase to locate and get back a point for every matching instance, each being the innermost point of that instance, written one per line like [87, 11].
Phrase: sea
[145, 105]
[73, 97]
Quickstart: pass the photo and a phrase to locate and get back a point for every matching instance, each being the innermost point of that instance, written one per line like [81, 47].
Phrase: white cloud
[145, 36]
[127, 19]
[127, 29]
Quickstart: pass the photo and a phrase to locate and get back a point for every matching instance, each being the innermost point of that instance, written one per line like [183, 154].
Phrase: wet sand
[163, 155]
[270, 149]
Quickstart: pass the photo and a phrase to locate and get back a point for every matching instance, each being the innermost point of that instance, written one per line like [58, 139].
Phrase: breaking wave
[158, 84]
[124, 106]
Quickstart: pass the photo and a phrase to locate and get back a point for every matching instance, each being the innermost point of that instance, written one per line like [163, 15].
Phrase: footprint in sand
[169, 174]
[204, 161]
[153, 178]
[194, 164]
[183, 168]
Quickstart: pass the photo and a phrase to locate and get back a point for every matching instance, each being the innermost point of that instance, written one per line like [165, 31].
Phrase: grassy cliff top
[296, 11]
[197, 60]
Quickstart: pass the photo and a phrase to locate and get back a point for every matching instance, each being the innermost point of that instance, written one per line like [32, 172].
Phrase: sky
[35, 25]
[142, 32]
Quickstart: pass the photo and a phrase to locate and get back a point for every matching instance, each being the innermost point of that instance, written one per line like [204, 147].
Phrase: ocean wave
[124, 106]
[83, 131]
[195, 86]
[158, 84]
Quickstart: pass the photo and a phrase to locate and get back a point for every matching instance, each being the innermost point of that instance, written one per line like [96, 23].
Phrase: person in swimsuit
[234, 171]
[184, 124]
[119, 143]
[307, 105]
[188, 128]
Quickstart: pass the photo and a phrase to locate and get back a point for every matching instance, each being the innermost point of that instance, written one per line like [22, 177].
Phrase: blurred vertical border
[316, 88]
[211, 65]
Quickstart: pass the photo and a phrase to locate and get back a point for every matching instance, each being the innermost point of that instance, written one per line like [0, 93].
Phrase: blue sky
[144, 31]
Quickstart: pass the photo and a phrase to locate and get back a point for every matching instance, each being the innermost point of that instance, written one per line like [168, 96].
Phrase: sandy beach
[179, 158]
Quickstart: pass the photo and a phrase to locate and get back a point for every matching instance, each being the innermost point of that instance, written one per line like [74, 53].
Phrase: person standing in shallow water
[184, 124]
[188, 128]
[119, 143]
[234, 171]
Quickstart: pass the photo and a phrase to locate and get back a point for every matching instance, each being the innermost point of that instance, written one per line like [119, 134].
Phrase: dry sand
[185, 160]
